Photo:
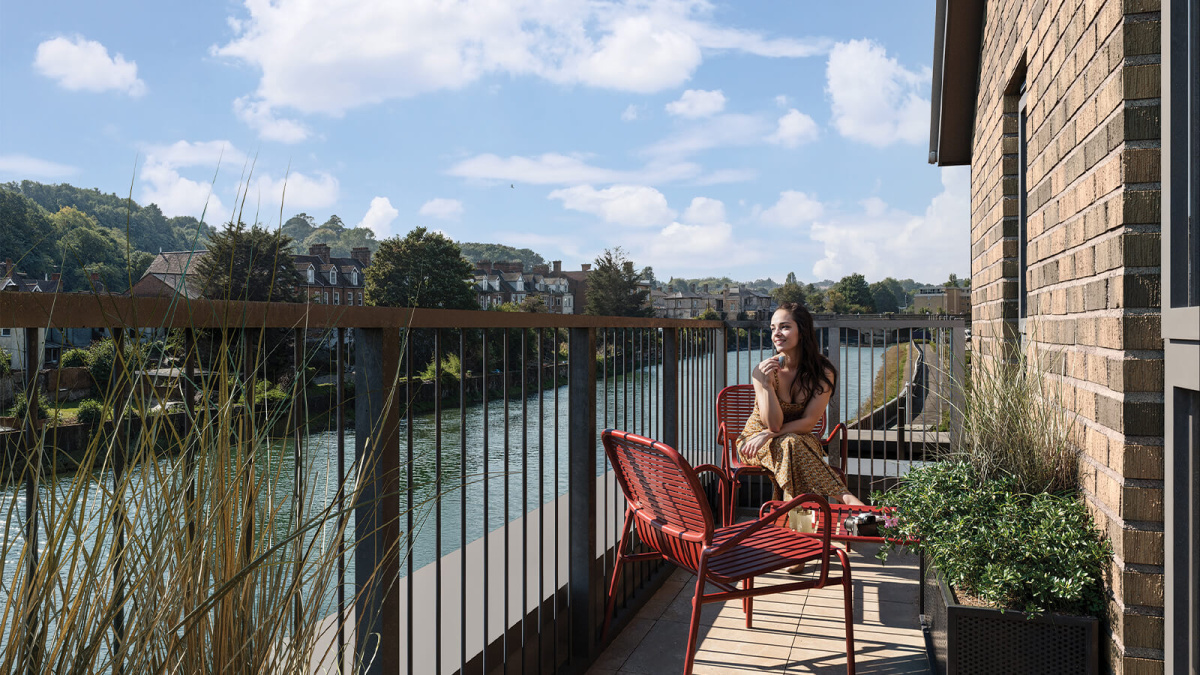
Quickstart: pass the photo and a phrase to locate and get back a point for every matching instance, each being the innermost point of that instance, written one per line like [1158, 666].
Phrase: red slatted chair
[667, 507]
[735, 404]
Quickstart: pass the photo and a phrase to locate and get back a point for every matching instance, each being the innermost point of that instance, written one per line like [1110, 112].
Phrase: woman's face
[784, 332]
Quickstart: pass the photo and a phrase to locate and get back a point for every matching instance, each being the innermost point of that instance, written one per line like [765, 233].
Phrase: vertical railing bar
[298, 386]
[621, 412]
[437, 500]
[408, 486]
[858, 409]
[524, 498]
[604, 466]
[33, 462]
[507, 568]
[584, 594]
[541, 502]
[340, 414]
[554, 501]
[871, 418]
[122, 428]
[462, 503]
[487, 479]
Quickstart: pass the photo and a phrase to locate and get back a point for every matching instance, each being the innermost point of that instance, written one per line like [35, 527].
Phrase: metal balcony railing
[485, 518]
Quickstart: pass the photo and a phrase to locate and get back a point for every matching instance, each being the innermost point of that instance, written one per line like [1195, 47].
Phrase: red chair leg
[748, 603]
[848, 591]
[694, 626]
[731, 508]
[612, 587]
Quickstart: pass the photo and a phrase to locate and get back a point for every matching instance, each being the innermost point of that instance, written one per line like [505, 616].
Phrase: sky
[746, 139]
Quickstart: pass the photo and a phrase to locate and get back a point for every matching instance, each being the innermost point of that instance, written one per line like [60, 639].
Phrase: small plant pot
[981, 640]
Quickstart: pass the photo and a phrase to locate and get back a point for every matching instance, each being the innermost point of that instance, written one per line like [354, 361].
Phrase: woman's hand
[752, 445]
[763, 371]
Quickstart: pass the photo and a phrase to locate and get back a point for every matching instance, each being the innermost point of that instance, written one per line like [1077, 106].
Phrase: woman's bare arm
[765, 397]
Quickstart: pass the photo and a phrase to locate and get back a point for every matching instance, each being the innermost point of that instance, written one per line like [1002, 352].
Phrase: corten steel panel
[71, 310]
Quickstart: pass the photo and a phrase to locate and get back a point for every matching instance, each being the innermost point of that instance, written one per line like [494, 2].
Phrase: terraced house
[1079, 122]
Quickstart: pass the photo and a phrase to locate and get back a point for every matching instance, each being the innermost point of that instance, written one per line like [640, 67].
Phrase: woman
[790, 395]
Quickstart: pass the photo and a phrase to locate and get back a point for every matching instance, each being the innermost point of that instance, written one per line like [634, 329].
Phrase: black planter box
[981, 641]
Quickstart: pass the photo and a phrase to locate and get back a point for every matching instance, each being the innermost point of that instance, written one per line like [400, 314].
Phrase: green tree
[421, 269]
[533, 303]
[884, 298]
[27, 234]
[853, 296]
[476, 251]
[85, 248]
[709, 314]
[249, 263]
[790, 291]
[613, 289]
[952, 282]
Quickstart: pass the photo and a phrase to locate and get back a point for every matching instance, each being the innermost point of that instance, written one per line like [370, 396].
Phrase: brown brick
[1136, 588]
[1141, 165]
[1141, 332]
[1141, 207]
[1141, 249]
[1141, 123]
[1142, 37]
[1141, 547]
[1134, 291]
[1142, 462]
[1138, 375]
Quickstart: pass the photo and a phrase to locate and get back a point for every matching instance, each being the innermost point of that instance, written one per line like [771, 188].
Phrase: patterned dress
[796, 461]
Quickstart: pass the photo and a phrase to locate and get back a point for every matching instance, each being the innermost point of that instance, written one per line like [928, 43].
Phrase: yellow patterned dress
[796, 461]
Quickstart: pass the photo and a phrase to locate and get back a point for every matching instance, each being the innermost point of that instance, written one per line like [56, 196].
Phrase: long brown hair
[815, 371]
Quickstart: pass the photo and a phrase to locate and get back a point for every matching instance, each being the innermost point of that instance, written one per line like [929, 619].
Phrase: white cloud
[177, 195]
[721, 176]
[442, 209]
[78, 64]
[558, 169]
[630, 114]
[881, 241]
[781, 101]
[793, 209]
[24, 166]
[794, 128]
[333, 56]
[258, 116]
[295, 191]
[715, 132]
[874, 99]
[636, 205]
[379, 217]
[705, 211]
[696, 103]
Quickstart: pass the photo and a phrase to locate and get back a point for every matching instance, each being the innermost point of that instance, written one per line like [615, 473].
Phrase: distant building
[324, 279]
[749, 304]
[53, 341]
[497, 283]
[942, 300]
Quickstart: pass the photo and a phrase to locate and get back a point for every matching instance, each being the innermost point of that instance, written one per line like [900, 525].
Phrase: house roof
[175, 262]
[957, 45]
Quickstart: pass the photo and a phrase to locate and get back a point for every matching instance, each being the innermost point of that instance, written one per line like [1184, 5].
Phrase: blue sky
[747, 139]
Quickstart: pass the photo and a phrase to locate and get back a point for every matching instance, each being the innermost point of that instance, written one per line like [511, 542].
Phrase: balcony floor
[798, 632]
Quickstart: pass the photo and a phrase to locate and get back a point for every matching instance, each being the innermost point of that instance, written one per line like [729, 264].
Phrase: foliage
[100, 358]
[268, 394]
[887, 295]
[1015, 423]
[451, 369]
[147, 228]
[27, 233]
[303, 230]
[90, 412]
[476, 251]
[849, 296]
[74, 358]
[612, 287]
[533, 303]
[86, 248]
[20, 406]
[709, 314]
[249, 263]
[421, 269]
[5, 364]
[1015, 550]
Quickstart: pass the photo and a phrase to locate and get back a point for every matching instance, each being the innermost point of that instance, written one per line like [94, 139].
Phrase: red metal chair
[667, 507]
[735, 404]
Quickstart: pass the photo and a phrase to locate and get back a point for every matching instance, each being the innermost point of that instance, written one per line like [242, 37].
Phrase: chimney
[557, 266]
[321, 251]
[541, 269]
[705, 289]
[361, 253]
[692, 287]
[55, 277]
[586, 267]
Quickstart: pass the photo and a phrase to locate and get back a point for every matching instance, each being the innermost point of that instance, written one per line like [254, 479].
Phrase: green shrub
[1012, 549]
[74, 358]
[267, 393]
[450, 370]
[90, 412]
[5, 364]
[20, 406]
[100, 362]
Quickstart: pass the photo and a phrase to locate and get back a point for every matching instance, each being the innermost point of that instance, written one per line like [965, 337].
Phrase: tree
[853, 295]
[249, 263]
[790, 291]
[952, 282]
[709, 314]
[476, 251]
[884, 298]
[533, 303]
[27, 234]
[421, 269]
[613, 288]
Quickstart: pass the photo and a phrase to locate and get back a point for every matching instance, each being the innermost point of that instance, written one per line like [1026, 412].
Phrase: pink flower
[891, 521]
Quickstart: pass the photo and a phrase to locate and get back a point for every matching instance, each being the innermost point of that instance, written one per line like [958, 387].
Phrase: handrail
[72, 310]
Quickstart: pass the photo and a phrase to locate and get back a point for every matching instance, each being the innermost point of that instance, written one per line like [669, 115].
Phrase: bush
[5, 364]
[100, 363]
[74, 358]
[450, 370]
[20, 406]
[90, 412]
[1012, 549]
[269, 394]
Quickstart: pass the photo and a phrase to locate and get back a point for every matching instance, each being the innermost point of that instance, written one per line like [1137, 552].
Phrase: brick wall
[1091, 72]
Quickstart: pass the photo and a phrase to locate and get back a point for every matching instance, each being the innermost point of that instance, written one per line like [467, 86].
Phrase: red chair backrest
[735, 404]
[664, 492]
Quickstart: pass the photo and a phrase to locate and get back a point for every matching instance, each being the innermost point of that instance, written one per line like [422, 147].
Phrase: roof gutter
[935, 109]
[956, 58]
